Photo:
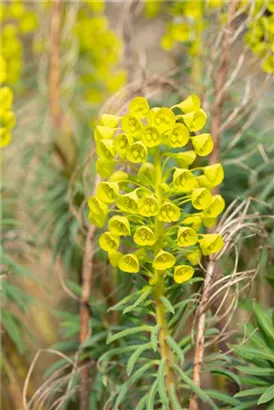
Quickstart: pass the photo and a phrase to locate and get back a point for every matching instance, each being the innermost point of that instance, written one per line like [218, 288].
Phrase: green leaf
[167, 304]
[176, 348]
[173, 398]
[251, 392]
[124, 301]
[264, 322]
[197, 390]
[127, 332]
[222, 397]
[267, 396]
[246, 405]
[161, 387]
[123, 391]
[135, 355]
[151, 396]
[154, 337]
[112, 352]
[228, 374]
[140, 299]
[253, 354]
[256, 371]
[141, 403]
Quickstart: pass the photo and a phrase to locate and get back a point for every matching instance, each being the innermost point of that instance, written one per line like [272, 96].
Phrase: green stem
[159, 290]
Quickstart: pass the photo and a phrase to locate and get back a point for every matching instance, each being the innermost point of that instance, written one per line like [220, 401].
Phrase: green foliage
[257, 360]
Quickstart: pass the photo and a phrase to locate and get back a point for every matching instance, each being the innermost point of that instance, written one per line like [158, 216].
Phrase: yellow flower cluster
[7, 117]
[151, 203]
[260, 35]
[16, 20]
[101, 49]
[188, 21]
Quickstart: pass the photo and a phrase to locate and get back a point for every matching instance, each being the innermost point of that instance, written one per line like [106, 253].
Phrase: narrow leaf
[267, 396]
[173, 398]
[251, 392]
[167, 304]
[154, 337]
[128, 332]
[176, 348]
[135, 355]
[161, 382]
[140, 299]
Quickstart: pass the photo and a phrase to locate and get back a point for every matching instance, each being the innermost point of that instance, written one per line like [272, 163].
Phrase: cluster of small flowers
[7, 117]
[146, 201]
[260, 35]
[187, 21]
[18, 20]
[102, 51]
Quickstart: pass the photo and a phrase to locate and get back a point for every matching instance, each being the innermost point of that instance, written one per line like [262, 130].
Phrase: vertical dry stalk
[54, 74]
[221, 76]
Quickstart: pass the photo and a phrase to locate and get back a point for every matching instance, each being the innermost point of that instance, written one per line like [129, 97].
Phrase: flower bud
[194, 257]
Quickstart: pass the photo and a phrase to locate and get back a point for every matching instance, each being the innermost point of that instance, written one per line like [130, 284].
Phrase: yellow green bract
[156, 213]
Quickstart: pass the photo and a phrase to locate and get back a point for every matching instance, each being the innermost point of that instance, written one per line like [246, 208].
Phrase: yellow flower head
[163, 260]
[195, 222]
[128, 203]
[119, 225]
[136, 152]
[109, 120]
[195, 121]
[109, 242]
[214, 173]
[187, 237]
[203, 144]
[216, 208]
[132, 125]
[108, 191]
[164, 119]
[104, 167]
[139, 107]
[184, 180]
[211, 243]
[144, 236]
[194, 257]
[183, 273]
[148, 206]
[105, 149]
[121, 143]
[178, 136]
[169, 212]
[191, 104]
[129, 263]
[103, 132]
[185, 158]
[151, 137]
[201, 198]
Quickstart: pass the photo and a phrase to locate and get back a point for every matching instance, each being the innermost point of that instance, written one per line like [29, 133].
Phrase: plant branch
[220, 81]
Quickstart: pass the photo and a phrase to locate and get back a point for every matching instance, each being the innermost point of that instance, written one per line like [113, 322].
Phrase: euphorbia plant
[156, 204]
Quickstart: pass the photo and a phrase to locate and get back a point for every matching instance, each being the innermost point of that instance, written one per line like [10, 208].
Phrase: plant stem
[159, 290]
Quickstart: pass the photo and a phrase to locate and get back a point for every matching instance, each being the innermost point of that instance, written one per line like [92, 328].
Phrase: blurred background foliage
[66, 62]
